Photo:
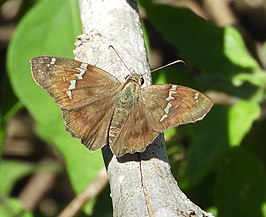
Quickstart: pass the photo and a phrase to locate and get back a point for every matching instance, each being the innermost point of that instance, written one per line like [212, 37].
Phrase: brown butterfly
[100, 110]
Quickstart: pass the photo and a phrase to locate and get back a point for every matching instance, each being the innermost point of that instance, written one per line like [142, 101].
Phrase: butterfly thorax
[127, 99]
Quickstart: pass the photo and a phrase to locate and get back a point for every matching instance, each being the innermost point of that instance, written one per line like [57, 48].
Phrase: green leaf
[13, 170]
[236, 51]
[254, 141]
[264, 209]
[2, 2]
[217, 54]
[11, 208]
[240, 119]
[240, 189]
[209, 47]
[10, 172]
[258, 79]
[82, 164]
[45, 30]
[208, 144]
[50, 28]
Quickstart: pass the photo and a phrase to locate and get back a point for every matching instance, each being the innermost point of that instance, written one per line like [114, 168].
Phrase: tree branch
[141, 184]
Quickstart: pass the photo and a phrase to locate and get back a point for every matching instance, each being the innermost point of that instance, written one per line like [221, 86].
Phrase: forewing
[170, 105]
[135, 135]
[71, 83]
[85, 93]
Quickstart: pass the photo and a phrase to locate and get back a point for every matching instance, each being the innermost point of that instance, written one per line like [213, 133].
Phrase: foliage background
[218, 162]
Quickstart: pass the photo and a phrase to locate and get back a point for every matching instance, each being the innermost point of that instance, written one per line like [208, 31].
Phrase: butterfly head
[136, 78]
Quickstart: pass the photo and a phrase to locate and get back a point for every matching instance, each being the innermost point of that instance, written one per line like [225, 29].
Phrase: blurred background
[219, 162]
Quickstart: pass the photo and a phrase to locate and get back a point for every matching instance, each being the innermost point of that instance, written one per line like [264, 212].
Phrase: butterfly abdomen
[127, 100]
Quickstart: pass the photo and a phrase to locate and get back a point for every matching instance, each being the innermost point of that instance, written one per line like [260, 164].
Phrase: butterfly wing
[171, 105]
[90, 123]
[159, 108]
[80, 91]
[135, 134]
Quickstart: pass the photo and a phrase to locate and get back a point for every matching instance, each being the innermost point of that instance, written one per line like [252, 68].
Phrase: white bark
[141, 184]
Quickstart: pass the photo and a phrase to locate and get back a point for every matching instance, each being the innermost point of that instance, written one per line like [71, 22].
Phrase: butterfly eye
[141, 80]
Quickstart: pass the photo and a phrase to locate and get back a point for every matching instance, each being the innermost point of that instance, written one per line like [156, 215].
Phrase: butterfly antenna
[169, 64]
[111, 46]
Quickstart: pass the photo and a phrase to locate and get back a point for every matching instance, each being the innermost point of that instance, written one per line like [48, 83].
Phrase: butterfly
[100, 110]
